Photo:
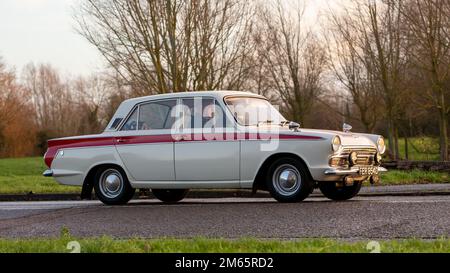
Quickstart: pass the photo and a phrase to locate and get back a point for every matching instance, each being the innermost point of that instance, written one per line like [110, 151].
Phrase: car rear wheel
[288, 180]
[170, 196]
[333, 192]
[112, 186]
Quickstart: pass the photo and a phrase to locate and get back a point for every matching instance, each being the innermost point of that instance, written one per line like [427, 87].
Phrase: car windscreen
[250, 111]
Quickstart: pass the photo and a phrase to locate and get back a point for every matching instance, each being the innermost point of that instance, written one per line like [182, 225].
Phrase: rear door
[145, 142]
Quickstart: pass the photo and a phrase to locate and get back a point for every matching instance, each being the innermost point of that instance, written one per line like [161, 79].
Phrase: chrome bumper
[48, 173]
[352, 171]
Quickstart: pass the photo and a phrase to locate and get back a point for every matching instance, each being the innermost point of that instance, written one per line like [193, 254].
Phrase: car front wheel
[112, 186]
[170, 196]
[288, 180]
[333, 192]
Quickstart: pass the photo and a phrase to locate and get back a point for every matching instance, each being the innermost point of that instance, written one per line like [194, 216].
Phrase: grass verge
[394, 177]
[24, 175]
[202, 245]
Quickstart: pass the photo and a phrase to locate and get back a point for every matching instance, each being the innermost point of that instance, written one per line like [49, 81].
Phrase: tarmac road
[374, 217]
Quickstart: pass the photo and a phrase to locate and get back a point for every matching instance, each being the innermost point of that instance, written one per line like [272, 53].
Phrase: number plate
[367, 171]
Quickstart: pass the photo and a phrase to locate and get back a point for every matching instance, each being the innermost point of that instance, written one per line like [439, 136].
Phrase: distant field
[420, 148]
[24, 175]
[201, 245]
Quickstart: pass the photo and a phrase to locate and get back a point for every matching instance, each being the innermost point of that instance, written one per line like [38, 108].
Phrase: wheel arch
[88, 183]
[259, 181]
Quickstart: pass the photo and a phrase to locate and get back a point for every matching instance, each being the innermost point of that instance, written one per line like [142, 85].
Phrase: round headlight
[381, 145]
[336, 143]
[353, 158]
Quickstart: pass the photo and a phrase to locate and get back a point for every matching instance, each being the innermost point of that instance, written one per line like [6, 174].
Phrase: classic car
[171, 143]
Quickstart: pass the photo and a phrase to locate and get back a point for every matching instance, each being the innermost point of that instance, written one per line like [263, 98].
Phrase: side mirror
[294, 126]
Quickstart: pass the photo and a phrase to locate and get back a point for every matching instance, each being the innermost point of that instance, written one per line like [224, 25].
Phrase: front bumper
[354, 171]
[48, 173]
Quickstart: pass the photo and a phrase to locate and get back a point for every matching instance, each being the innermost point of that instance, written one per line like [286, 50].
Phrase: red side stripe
[55, 145]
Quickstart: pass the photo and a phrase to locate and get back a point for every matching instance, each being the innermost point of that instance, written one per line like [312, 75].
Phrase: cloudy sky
[42, 31]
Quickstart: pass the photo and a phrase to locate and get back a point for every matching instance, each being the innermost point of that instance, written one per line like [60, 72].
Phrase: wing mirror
[294, 126]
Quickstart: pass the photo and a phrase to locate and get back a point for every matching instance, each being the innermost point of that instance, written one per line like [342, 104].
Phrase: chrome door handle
[182, 137]
[121, 140]
[178, 138]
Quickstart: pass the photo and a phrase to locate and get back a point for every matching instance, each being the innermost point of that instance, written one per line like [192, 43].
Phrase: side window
[156, 115]
[203, 113]
[116, 123]
[131, 124]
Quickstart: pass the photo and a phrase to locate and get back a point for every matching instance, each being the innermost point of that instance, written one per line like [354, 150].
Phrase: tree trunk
[443, 121]
[393, 138]
[396, 145]
[406, 148]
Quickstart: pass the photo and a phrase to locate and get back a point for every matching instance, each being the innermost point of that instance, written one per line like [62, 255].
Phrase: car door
[207, 150]
[145, 143]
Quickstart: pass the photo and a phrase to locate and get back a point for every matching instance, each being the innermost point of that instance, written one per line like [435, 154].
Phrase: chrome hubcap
[111, 183]
[287, 180]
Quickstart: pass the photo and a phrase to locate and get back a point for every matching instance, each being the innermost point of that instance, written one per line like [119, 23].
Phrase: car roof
[215, 94]
[127, 105]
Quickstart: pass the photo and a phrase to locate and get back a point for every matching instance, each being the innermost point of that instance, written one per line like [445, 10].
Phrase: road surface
[374, 217]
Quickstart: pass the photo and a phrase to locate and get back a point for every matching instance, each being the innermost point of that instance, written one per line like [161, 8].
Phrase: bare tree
[373, 32]
[428, 22]
[50, 97]
[294, 58]
[162, 46]
[64, 106]
[17, 127]
[91, 99]
[352, 66]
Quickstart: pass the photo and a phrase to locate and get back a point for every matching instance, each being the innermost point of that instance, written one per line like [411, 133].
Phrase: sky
[43, 31]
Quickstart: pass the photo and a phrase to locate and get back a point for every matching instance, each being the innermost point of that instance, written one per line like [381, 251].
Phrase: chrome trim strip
[48, 173]
[349, 171]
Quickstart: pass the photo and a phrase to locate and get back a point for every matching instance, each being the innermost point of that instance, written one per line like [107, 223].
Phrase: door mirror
[294, 126]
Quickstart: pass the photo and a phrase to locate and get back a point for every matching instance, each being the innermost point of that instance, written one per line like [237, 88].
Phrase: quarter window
[131, 124]
[116, 123]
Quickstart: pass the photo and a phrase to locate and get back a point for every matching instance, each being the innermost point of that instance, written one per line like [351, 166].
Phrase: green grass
[202, 245]
[394, 177]
[24, 175]
[419, 148]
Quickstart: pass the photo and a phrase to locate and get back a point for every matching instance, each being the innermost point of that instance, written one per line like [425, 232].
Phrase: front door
[206, 150]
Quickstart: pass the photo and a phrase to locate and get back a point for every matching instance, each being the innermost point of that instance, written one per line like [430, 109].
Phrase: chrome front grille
[366, 157]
